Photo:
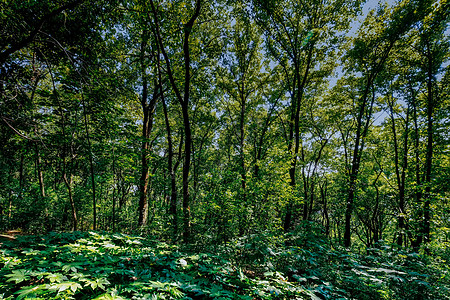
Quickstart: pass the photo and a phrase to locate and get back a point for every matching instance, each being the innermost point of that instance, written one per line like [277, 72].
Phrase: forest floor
[93, 265]
[11, 234]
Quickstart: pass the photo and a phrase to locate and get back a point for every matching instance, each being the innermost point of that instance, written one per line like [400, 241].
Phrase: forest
[260, 149]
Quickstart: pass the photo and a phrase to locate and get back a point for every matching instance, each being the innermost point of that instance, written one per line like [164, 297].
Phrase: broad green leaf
[18, 276]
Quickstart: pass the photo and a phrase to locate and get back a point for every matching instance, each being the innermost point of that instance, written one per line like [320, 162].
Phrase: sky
[368, 6]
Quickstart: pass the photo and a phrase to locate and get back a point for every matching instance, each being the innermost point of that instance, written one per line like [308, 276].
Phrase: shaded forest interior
[206, 122]
[277, 136]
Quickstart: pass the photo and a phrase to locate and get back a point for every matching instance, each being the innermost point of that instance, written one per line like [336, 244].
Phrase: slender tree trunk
[242, 217]
[68, 183]
[362, 127]
[91, 165]
[400, 175]
[64, 152]
[173, 185]
[311, 202]
[306, 186]
[143, 182]
[114, 192]
[148, 109]
[374, 220]
[429, 150]
[323, 194]
[299, 84]
[418, 189]
[21, 175]
[40, 173]
[187, 125]
[184, 102]
[186, 168]
[10, 207]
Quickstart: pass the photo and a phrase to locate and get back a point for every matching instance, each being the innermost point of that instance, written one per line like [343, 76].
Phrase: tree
[299, 35]
[183, 100]
[370, 51]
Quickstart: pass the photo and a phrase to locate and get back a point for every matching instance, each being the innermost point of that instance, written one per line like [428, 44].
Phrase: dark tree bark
[115, 191]
[68, 183]
[91, 165]
[184, 102]
[170, 167]
[400, 170]
[40, 173]
[362, 127]
[148, 110]
[429, 149]
[299, 83]
[323, 195]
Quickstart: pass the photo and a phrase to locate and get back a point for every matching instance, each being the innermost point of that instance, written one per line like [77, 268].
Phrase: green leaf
[18, 276]
[109, 296]
[26, 292]
[60, 287]
[56, 277]
[96, 283]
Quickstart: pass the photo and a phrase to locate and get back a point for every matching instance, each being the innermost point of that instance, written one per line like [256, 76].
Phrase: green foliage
[300, 265]
[274, 148]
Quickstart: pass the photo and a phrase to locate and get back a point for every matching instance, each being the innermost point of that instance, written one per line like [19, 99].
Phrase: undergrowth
[96, 265]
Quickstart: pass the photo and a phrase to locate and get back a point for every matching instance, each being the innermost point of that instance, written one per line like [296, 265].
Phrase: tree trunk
[243, 204]
[400, 175]
[68, 183]
[299, 84]
[418, 189]
[40, 172]
[91, 165]
[173, 185]
[114, 192]
[323, 194]
[429, 150]
[143, 181]
[148, 109]
[184, 102]
[186, 167]
[362, 127]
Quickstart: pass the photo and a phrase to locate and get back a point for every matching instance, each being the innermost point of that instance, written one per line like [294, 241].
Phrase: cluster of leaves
[117, 266]
[303, 258]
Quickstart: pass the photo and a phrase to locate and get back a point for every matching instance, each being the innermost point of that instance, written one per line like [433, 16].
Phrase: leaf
[307, 38]
[157, 284]
[60, 287]
[299, 278]
[18, 276]
[387, 271]
[98, 282]
[72, 267]
[107, 296]
[28, 291]
[268, 274]
[56, 277]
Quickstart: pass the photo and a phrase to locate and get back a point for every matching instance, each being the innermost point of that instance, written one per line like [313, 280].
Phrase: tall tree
[299, 35]
[242, 81]
[370, 51]
[183, 99]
